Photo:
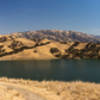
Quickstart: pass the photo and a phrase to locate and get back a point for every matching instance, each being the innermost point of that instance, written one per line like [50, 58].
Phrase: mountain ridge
[57, 35]
[18, 48]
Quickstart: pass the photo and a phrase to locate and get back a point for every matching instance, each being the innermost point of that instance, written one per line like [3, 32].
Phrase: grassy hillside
[18, 48]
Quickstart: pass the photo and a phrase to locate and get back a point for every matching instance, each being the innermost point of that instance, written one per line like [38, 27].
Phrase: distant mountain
[58, 35]
[49, 44]
[12, 48]
[98, 37]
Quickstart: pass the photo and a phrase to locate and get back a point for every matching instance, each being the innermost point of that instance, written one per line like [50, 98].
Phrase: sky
[25, 15]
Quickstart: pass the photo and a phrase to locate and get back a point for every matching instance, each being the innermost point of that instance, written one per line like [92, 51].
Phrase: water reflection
[66, 70]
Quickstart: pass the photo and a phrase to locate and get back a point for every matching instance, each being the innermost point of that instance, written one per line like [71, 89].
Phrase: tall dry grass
[56, 90]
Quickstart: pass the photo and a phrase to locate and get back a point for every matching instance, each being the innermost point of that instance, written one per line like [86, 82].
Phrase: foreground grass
[53, 90]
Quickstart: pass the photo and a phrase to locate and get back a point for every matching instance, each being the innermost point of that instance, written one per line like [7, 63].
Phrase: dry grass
[55, 90]
[9, 94]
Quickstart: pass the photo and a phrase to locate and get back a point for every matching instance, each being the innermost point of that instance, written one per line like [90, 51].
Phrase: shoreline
[53, 90]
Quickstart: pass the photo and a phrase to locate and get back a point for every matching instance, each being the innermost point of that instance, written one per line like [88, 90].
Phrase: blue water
[64, 70]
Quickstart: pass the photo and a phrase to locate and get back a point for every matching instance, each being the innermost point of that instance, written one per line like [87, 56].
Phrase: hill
[17, 47]
[58, 35]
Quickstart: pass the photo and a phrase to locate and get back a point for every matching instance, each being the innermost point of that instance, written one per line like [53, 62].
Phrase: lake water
[64, 70]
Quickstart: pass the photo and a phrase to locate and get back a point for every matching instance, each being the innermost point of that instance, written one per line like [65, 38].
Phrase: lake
[63, 70]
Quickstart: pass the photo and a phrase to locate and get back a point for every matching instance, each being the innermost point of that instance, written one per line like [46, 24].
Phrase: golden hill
[18, 48]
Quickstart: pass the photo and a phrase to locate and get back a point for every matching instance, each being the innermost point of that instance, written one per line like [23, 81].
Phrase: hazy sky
[24, 15]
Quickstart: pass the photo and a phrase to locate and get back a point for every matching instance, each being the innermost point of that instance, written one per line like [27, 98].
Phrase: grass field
[50, 90]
